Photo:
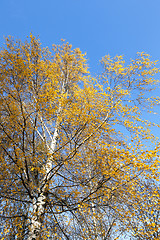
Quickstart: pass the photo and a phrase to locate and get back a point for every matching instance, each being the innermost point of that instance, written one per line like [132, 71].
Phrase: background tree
[73, 147]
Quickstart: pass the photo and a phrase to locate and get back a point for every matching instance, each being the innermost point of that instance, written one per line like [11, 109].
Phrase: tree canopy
[79, 159]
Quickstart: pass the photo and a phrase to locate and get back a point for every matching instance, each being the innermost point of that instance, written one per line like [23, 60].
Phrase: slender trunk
[39, 203]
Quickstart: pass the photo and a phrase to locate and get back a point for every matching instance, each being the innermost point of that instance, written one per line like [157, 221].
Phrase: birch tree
[73, 146]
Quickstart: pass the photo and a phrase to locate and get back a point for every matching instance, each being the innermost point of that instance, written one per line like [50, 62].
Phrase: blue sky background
[97, 27]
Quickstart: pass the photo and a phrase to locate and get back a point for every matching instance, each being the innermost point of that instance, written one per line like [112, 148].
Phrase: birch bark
[39, 203]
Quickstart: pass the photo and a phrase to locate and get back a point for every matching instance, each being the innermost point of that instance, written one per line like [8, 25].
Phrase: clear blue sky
[98, 27]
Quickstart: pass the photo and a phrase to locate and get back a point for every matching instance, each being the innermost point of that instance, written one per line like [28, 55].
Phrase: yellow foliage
[77, 151]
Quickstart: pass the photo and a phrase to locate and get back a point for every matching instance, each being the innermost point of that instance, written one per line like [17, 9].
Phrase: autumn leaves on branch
[78, 160]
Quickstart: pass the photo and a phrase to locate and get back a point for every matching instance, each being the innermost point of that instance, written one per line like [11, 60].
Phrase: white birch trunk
[37, 218]
[39, 203]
